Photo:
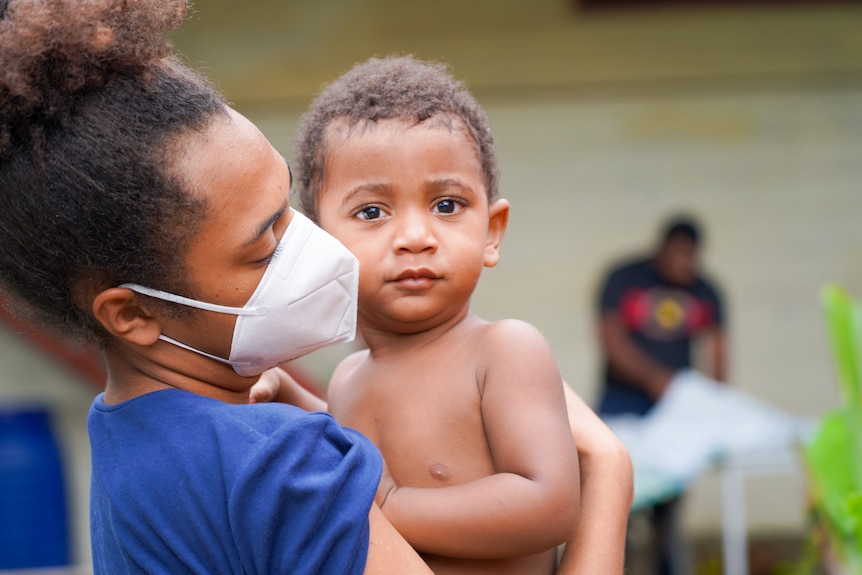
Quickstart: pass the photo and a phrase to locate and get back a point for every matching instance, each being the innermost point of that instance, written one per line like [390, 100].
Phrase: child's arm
[530, 504]
[388, 552]
[598, 543]
[277, 385]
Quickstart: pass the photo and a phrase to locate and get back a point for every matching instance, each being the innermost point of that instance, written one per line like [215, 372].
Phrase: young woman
[126, 181]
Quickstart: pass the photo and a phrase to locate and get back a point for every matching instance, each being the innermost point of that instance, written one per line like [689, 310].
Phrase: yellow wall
[268, 51]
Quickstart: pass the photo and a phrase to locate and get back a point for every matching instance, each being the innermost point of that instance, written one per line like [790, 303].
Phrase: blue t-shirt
[187, 484]
[661, 318]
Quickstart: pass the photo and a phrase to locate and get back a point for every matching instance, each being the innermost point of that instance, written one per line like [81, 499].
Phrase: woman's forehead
[237, 171]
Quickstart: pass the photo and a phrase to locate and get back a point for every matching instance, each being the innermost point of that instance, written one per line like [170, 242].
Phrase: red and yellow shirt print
[664, 313]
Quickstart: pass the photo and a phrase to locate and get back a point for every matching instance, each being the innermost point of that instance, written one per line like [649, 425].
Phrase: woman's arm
[388, 552]
[598, 542]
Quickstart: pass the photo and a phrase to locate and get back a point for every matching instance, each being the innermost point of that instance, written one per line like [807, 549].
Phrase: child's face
[410, 202]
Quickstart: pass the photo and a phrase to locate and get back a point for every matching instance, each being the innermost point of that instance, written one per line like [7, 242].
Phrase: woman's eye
[448, 206]
[265, 261]
[370, 213]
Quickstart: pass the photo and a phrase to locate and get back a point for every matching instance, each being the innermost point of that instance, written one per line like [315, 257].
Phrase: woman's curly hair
[92, 107]
[395, 87]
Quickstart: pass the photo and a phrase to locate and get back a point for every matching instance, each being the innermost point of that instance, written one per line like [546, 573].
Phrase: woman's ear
[121, 314]
[498, 219]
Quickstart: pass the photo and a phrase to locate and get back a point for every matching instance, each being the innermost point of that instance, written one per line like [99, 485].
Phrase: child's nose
[415, 232]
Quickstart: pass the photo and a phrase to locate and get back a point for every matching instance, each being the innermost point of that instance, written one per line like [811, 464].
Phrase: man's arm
[629, 362]
[714, 342]
[597, 545]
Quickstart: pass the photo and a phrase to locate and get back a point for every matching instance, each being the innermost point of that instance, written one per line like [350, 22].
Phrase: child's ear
[498, 219]
[121, 314]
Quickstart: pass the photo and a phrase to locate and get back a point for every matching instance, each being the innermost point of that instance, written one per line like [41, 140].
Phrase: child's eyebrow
[366, 188]
[450, 183]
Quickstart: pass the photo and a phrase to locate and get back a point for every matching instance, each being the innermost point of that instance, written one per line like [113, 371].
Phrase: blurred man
[654, 312]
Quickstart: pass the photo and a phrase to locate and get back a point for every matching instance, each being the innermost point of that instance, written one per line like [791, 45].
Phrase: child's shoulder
[513, 352]
[510, 331]
[510, 339]
[343, 377]
[349, 364]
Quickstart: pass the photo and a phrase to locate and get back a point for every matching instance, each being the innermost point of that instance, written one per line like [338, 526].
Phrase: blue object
[33, 516]
[183, 483]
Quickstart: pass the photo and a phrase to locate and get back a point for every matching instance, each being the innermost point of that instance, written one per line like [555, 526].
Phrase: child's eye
[369, 213]
[448, 206]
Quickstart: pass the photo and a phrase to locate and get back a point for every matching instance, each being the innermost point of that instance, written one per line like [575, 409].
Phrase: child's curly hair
[91, 108]
[395, 87]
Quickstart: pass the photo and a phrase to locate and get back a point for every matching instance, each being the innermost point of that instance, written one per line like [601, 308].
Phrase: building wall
[748, 117]
[774, 176]
[266, 51]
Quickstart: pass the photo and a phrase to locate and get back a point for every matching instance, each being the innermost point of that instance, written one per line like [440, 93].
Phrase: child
[397, 161]
[120, 166]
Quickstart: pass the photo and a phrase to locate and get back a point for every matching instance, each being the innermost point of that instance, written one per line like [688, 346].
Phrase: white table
[733, 472]
[700, 425]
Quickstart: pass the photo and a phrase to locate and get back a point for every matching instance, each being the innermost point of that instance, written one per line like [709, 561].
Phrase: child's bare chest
[426, 419]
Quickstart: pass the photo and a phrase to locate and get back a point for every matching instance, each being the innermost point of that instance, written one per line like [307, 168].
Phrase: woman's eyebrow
[289, 173]
[265, 226]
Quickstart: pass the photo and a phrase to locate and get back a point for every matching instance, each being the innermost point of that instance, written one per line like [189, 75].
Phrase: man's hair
[684, 226]
[395, 87]
[92, 108]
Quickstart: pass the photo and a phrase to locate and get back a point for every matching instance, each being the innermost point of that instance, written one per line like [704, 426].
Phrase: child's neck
[383, 341]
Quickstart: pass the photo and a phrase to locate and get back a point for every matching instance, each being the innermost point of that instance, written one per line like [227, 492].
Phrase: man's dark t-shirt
[661, 318]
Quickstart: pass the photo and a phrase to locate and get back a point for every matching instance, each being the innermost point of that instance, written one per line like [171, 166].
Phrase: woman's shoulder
[275, 474]
[197, 425]
[277, 431]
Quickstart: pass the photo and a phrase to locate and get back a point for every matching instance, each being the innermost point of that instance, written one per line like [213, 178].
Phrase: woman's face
[246, 185]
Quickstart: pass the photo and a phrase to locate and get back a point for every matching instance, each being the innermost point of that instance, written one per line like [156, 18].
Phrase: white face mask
[305, 300]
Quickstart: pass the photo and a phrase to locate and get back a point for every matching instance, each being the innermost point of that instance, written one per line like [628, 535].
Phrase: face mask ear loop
[205, 354]
[167, 296]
